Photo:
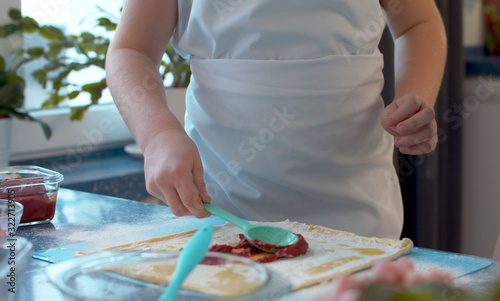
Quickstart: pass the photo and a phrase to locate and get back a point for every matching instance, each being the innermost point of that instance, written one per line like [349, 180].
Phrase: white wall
[481, 167]
[481, 149]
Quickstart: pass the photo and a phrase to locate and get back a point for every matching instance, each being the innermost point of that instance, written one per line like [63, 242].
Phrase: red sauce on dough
[246, 249]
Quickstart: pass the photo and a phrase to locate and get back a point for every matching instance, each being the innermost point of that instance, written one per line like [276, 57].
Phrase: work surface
[87, 222]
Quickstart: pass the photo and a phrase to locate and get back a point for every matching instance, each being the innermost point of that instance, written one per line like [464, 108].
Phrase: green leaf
[57, 84]
[53, 100]
[51, 32]
[2, 63]
[3, 74]
[26, 116]
[107, 24]
[8, 29]
[77, 66]
[87, 36]
[54, 50]
[52, 65]
[40, 76]
[101, 49]
[95, 90]
[67, 42]
[12, 78]
[73, 94]
[35, 52]
[45, 127]
[12, 95]
[77, 113]
[46, 104]
[29, 25]
[15, 14]
[64, 74]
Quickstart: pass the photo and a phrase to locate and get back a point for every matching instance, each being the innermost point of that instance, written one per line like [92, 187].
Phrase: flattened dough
[331, 253]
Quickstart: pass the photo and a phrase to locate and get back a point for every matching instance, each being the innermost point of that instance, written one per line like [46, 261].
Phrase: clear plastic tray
[96, 277]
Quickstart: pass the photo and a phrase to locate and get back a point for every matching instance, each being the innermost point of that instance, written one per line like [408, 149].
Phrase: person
[284, 118]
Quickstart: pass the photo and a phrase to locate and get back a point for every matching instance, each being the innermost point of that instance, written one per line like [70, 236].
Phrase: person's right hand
[174, 173]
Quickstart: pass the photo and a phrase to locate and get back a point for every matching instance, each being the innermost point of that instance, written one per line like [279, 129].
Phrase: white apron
[287, 137]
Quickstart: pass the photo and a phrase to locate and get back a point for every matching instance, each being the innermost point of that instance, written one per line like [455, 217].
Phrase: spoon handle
[190, 256]
[214, 209]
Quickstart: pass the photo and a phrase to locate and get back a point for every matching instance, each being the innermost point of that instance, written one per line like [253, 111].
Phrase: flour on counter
[106, 235]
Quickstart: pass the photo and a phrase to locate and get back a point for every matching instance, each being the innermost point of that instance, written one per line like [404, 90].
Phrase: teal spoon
[274, 238]
[190, 256]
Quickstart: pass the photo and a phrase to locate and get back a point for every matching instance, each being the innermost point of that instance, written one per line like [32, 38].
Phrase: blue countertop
[86, 220]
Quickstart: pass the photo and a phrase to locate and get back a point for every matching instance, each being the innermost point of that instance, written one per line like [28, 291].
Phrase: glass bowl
[14, 256]
[11, 213]
[121, 275]
[34, 187]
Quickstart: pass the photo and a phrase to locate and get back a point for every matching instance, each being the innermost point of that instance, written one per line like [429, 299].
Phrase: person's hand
[174, 173]
[412, 123]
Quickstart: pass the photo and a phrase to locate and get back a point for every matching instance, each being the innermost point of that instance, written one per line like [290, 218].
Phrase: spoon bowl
[266, 238]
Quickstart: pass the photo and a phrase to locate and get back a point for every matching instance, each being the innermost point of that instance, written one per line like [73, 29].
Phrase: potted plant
[91, 51]
[12, 88]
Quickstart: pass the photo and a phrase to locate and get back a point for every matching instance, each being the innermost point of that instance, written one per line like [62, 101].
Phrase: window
[73, 17]
[102, 126]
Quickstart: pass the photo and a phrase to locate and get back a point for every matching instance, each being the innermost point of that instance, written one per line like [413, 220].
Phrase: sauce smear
[246, 249]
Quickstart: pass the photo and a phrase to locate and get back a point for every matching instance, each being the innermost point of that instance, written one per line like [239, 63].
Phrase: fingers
[423, 134]
[198, 180]
[421, 148]
[161, 185]
[173, 201]
[174, 174]
[415, 121]
[189, 195]
[408, 114]
[384, 120]
[412, 122]
[182, 195]
[422, 142]
[406, 106]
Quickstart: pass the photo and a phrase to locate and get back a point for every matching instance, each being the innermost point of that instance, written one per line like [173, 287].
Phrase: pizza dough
[331, 253]
[222, 280]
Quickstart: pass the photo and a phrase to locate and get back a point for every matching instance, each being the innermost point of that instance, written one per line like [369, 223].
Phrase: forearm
[138, 92]
[420, 56]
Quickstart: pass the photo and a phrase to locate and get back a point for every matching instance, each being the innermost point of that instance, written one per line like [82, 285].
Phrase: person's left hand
[412, 123]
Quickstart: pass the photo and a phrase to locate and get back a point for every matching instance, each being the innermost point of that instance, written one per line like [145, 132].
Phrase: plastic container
[106, 276]
[11, 213]
[14, 256]
[34, 187]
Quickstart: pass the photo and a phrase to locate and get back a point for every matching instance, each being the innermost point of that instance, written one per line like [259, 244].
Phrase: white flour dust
[107, 235]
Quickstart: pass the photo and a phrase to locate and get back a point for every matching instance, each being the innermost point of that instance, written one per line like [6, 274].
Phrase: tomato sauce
[246, 249]
[39, 205]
